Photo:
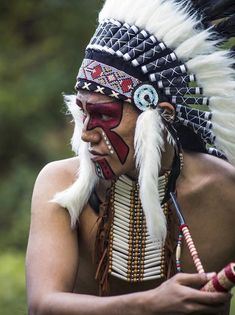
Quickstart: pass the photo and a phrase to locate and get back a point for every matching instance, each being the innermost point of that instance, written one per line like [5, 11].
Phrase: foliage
[42, 43]
[12, 284]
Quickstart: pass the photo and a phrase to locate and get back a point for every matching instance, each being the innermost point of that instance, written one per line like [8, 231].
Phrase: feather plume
[148, 147]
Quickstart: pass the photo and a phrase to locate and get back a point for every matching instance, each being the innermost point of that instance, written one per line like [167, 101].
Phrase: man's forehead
[93, 97]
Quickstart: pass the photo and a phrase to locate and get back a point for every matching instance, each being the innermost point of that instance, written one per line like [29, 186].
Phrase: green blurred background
[41, 48]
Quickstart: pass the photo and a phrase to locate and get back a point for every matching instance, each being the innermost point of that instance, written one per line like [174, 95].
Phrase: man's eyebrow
[107, 102]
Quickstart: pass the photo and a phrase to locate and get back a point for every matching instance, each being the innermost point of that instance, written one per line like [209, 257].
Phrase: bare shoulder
[213, 170]
[52, 252]
[55, 176]
[65, 170]
[205, 173]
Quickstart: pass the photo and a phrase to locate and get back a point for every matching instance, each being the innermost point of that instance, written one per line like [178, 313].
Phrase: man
[141, 143]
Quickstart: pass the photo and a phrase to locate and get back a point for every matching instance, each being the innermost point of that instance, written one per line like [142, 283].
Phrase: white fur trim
[70, 101]
[76, 196]
[148, 146]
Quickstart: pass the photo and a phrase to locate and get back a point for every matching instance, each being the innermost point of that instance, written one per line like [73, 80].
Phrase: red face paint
[104, 170]
[108, 116]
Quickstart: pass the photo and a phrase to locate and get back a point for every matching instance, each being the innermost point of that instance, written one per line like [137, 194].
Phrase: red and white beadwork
[109, 77]
[193, 252]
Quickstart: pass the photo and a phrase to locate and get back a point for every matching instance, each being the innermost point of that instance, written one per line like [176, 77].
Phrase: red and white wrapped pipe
[224, 281]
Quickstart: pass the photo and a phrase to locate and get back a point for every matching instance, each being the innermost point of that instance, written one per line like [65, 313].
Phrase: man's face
[109, 127]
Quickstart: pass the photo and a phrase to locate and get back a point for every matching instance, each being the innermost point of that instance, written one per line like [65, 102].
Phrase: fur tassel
[148, 146]
[221, 108]
[76, 196]
[73, 109]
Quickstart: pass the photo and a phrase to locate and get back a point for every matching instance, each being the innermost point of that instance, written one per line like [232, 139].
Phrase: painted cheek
[118, 144]
[104, 170]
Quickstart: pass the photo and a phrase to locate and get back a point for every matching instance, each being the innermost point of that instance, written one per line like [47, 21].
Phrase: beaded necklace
[124, 248]
[133, 256]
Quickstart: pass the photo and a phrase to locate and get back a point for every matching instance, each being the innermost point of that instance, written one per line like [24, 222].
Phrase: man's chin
[103, 169]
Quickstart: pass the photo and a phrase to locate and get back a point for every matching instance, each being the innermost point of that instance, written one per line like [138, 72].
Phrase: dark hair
[189, 140]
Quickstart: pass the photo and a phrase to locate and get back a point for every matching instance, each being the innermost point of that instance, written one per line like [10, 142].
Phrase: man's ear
[167, 106]
[168, 111]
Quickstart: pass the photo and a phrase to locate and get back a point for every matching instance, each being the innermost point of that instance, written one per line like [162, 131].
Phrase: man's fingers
[216, 309]
[193, 280]
[213, 298]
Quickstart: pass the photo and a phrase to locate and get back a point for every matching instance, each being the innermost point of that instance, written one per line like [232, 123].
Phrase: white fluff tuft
[149, 144]
[214, 73]
[195, 45]
[223, 119]
[76, 196]
[70, 101]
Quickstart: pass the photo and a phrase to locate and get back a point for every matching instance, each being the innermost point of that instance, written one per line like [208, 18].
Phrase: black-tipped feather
[215, 9]
[218, 8]
[226, 27]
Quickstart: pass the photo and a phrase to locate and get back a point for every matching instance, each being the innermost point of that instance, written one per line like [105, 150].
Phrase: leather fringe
[102, 245]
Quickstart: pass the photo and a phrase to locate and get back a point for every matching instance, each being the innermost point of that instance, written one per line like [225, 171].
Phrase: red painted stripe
[218, 287]
[229, 271]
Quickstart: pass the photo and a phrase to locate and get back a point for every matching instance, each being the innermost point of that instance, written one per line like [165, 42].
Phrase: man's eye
[105, 117]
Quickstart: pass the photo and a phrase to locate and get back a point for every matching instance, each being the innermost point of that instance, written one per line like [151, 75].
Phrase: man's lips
[94, 154]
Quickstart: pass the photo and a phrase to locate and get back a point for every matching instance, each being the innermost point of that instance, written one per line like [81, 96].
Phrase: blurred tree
[42, 43]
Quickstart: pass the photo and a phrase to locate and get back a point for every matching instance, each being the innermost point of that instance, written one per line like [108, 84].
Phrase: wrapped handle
[224, 281]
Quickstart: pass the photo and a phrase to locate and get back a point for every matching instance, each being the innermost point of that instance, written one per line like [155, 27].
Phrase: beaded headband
[164, 44]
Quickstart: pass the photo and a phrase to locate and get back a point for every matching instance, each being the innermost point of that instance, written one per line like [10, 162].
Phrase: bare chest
[211, 227]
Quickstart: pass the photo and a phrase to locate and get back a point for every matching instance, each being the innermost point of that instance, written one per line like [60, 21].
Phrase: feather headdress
[173, 47]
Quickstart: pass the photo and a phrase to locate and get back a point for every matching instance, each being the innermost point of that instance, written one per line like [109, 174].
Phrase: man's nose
[93, 136]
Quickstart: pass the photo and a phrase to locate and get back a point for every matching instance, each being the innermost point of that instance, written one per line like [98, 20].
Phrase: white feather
[149, 144]
[198, 44]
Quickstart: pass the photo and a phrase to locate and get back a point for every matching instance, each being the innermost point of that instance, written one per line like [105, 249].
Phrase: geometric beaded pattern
[133, 256]
[151, 60]
[106, 76]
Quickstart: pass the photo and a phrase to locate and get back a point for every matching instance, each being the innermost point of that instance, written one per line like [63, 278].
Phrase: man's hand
[181, 295]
